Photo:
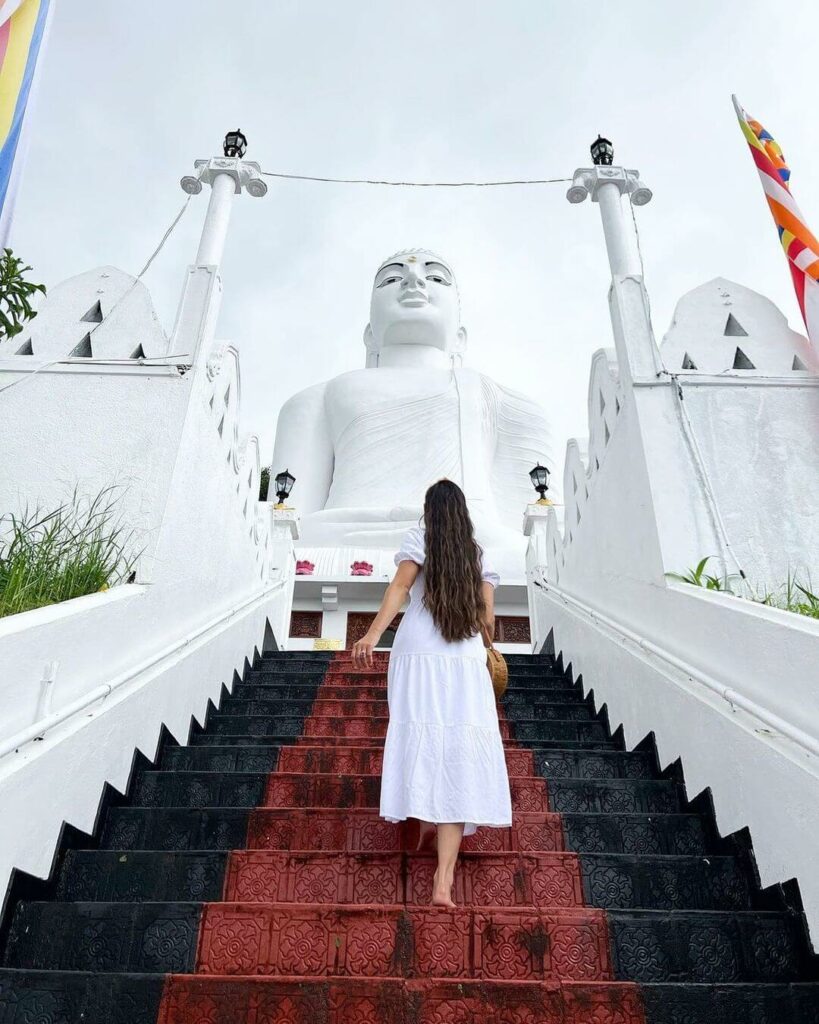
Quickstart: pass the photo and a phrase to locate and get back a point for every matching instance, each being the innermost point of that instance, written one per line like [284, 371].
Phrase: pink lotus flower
[361, 569]
[304, 568]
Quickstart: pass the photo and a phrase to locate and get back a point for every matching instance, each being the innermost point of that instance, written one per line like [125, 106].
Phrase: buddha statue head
[415, 316]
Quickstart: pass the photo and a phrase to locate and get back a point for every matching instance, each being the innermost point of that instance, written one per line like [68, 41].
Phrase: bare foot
[442, 892]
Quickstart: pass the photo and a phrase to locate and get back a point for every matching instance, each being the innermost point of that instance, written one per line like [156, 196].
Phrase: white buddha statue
[365, 446]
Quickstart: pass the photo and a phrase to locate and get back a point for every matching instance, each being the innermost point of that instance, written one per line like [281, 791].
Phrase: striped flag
[23, 25]
[800, 246]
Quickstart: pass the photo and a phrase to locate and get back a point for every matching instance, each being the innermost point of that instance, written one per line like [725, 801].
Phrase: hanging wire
[159, 359]
[415, 184]
[687, 427]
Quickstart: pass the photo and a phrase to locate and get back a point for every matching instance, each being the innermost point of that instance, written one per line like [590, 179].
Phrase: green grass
[51, 556]
[791, 596]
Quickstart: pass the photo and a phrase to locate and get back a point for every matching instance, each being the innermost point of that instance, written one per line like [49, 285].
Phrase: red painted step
[362, 830]
[361, 727]
[207, 1000]
[397, 941]
[367, 760]
[313, 789]
[545, 880]
[325, 917]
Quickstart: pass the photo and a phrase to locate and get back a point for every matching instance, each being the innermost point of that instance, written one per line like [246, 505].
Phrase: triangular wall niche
[83, 349]
[688, 363]
[25, 349]
[138, 353]
[798, 364]
[94, 314]
[741, 361]
[733, 328]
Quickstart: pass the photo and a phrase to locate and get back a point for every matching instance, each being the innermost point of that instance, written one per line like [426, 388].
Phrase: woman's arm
[394, 598]
[488, 593]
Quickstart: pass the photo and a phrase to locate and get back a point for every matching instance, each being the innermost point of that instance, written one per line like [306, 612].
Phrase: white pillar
[214, 231]
[619, 242]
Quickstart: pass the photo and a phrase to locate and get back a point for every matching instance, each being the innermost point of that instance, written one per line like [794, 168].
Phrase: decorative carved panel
[305, 624]
[512, 629]
[359, 622]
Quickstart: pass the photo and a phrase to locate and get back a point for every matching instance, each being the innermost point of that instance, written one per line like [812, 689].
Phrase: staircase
[248, 879]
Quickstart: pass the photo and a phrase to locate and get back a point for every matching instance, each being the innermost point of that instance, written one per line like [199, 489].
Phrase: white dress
[443, 756]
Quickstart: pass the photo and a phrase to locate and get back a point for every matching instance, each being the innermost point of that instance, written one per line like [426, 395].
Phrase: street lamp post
[227, 176]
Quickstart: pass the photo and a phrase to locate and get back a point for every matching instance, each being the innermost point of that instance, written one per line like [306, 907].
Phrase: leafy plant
[15, 295]
[47, 557]
[792, 596]
[698, 577]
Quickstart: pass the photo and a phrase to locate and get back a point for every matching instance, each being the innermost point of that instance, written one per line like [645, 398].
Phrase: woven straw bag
[498, 669]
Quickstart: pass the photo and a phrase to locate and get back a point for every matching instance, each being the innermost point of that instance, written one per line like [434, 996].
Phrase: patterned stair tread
[199, 789]
[593, 764]
[614, 796]
[317, 939]
[174, 828]
[397, 941]
[731, 1003]
[368, 760]
[311, 940]
[708, 946]
[219, 759]
[238, 705]
[397, 1001]
[63, 997]
[112, 876]
[69, 997]
[664, 882]
[358, 759]
[546, 711]
[297, 829]
[545, 880]
[151, 938]
[313, 789]
[320, 707]
[639, 834]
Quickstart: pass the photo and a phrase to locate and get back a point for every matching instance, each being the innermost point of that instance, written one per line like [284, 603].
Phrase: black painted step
[219, 759]
[642, 834]
[112, 876]
[593, 764]
[150, 938]
[731, 1004]
[707, 946]
[663, 883]
[200, 789]
[175, 828]
[614, 796]
[61, 997]
[544, 711]
[697, 946]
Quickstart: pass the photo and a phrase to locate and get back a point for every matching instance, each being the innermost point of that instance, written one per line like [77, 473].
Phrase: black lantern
[540, 481]
[236, 144]
[284, 485]
[602, 152]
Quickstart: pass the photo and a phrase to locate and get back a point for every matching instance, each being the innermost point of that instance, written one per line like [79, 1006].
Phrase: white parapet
[87, 683]
[684, 463]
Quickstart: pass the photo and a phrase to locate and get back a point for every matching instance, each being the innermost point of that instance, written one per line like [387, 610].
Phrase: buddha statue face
[415, 302]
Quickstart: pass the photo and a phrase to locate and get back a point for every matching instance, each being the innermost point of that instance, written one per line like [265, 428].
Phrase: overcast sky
[130, 94]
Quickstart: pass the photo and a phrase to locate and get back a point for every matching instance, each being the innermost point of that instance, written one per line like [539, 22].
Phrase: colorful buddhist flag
[23, 25]
[800, 246]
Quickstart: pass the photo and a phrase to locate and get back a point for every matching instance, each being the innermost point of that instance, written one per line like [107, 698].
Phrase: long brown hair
[452, 566]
